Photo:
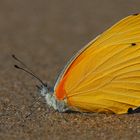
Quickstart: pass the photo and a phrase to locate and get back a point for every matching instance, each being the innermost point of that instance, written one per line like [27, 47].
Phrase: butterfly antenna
[28, 70]
[18, 60]
[16, 66]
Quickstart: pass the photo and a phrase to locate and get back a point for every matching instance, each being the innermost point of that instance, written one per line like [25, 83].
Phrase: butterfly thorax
[59, 105]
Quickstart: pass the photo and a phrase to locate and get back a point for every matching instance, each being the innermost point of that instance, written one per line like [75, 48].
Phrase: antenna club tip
[13, 55]
[16, 66]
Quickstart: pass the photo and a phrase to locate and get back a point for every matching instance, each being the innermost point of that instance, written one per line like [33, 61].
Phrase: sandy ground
[45, 34]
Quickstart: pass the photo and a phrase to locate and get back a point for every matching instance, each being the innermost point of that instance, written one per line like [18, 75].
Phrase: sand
[45, 34]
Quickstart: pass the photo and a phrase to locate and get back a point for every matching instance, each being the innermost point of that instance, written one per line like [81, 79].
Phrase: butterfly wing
[105, 77]
[61, 75]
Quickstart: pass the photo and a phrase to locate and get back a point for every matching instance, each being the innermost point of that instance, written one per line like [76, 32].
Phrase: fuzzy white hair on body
[52, 101]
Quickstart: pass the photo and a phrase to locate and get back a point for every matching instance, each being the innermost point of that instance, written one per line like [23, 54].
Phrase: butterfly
[104, 76]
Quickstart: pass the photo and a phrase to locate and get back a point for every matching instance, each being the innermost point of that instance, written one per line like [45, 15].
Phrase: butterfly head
[44, 89]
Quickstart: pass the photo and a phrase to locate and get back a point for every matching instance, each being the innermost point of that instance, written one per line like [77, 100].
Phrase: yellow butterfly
[104, 76]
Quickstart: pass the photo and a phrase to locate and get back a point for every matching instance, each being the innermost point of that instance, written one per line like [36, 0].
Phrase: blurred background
[45, 34]
[53, 30]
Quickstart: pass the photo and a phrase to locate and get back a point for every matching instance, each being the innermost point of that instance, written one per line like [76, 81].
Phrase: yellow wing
[105, 77]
